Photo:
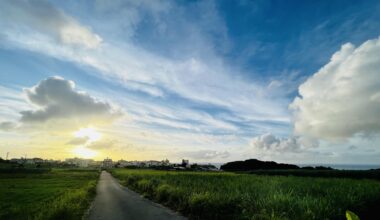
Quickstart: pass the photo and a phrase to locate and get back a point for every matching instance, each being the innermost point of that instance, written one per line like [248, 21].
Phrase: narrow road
[114, 202]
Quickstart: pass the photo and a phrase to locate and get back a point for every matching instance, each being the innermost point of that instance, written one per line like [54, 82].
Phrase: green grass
[53, 194]
[202, 195]
[353, 174]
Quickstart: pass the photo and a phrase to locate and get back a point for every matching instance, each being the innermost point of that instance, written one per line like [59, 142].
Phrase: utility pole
[7, 156]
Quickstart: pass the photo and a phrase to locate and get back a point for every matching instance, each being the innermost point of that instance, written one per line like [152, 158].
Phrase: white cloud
[11, 99]
[196, 75]
[55, 104]
[46, 19]
[205, 154]
[57, 98]
[341, 100]
[270, 143]
[130, 12]
[189, 77]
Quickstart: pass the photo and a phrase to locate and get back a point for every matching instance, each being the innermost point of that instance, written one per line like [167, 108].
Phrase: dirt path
[114, 201]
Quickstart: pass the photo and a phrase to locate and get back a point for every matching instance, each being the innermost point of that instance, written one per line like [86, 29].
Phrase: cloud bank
[343, 98]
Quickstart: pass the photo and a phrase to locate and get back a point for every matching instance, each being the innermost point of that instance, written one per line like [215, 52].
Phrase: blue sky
[207, 80]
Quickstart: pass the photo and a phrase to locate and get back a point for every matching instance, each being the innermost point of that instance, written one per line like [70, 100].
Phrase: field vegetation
[222, 195]
[45, 193]
[352, 174]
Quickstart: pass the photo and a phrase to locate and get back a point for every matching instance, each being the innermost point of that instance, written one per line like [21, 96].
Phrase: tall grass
[59, 194]
[201, 195]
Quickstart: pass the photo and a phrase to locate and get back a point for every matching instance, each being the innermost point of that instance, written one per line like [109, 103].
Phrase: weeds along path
[114, 201]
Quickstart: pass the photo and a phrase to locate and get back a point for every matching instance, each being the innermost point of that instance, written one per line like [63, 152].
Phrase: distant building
[107, 163]
[148, 163]
[29, 161]
[38, 160]
[94, 164]
[17, 160]
[165, 162]
[134, 163]
[152, 163]
[79, 162]
[122, 163]
[185, 163]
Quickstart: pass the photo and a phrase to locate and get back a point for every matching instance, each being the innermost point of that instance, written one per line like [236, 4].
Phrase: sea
[345, 166]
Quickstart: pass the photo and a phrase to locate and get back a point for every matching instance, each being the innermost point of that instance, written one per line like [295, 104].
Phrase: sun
[84, 152]
[89, 133]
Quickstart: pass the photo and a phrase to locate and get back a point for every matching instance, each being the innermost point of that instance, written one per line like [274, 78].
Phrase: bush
[163, 192]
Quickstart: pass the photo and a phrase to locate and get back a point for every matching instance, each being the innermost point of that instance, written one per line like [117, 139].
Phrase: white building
[107, 163]
[79, 162]
[149, 163]
[152, 163]
[123, 163]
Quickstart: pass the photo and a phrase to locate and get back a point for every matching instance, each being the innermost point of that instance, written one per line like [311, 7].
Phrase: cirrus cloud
[43, 17]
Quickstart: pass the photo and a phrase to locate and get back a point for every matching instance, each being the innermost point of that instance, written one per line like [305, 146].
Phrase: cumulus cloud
[341, 100]
[269, 142]
[57, 98]
[46, 19]
[55, 104]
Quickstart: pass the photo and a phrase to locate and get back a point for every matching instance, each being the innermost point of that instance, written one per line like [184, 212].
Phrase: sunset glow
[89, 133]
[84, 152]
[209, 81]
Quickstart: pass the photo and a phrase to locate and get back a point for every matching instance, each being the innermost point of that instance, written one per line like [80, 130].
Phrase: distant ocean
[345, 166]
[335, 166]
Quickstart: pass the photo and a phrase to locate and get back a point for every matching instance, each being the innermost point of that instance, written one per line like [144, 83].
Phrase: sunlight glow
[85, 152]
[90, 133]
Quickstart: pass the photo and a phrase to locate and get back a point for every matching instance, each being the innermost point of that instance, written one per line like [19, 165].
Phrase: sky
[209, 81]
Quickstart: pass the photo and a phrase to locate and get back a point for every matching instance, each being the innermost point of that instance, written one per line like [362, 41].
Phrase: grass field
[203, 195]
[352, 174]
[52, 194]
